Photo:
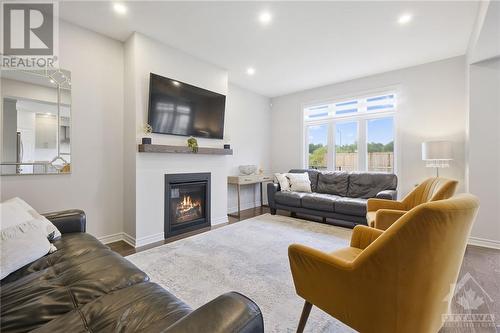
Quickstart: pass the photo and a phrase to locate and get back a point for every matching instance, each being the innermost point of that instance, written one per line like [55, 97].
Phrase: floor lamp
[437, 154]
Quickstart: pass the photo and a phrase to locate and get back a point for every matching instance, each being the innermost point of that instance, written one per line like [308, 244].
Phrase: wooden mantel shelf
[182, 150]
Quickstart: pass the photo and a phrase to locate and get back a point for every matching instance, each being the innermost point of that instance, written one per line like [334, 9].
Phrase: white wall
[431, 105]
[248, 128]
[96, 182]
[129, 141]
[483, 123]
[484, 149]
[145, 55]
[485, 40]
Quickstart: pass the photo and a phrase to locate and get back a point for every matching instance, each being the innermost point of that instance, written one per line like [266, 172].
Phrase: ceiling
[307, 44]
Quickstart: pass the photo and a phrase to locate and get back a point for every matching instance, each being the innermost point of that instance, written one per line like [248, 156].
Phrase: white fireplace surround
[144, 211]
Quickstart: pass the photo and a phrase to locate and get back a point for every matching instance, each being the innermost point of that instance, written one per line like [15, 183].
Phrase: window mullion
[331, 145]
[305, 156]
[362, 146]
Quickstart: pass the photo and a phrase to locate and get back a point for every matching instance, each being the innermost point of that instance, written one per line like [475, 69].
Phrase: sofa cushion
[313, 176]
[333, 182]
[320, 201]
[289, 198]
[63, 281]
[367, 184]
[134, 309]
[351, 206]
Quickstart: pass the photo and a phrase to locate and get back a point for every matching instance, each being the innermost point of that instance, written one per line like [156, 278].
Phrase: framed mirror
[36, 122]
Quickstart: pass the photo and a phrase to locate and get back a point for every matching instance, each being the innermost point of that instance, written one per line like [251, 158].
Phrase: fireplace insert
[187, 202]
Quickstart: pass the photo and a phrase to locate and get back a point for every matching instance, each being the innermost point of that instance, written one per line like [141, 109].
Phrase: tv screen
[181, 109]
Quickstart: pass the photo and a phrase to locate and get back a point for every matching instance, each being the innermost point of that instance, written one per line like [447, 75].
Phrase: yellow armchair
[381, 214]
[389, 281]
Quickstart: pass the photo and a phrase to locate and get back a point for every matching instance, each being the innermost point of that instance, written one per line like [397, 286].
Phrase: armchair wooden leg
[303, 318]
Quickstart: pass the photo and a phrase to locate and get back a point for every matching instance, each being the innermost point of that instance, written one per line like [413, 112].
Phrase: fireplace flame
[188, 206]
[187, 202]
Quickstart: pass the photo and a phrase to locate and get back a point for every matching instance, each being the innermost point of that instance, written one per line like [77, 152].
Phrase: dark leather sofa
[86, 287]
[336, 195]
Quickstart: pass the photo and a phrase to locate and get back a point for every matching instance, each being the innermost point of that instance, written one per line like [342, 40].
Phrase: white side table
[248, 180]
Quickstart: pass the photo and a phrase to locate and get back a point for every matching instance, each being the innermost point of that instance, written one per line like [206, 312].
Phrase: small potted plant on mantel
[193, 144]
[147, 130]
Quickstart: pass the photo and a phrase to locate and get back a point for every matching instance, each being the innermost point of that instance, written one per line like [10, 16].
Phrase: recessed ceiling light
[52, 81]
[120, 8]
[175, 83]
[265, 17]
[405, 18]
[250, 71]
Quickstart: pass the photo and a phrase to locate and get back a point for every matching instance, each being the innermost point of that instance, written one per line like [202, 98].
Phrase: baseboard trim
[149, 239]
[123, 236]
[111, 238]
[219, 220]
[128, 239]
[120, 236]
[244, 205]
[483, 242]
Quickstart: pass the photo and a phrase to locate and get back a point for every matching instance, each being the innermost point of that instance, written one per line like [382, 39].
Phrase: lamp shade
[437, 151]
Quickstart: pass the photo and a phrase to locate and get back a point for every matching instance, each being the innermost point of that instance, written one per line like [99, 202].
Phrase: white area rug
[249, 257]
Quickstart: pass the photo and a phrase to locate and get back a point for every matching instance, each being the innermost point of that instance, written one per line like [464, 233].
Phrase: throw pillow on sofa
[299, 182]
[22, 250]
[12, 214]
[283, 181]
[16, 211]
[24, 237]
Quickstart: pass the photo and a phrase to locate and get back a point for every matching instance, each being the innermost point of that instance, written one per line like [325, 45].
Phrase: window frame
[361, 117]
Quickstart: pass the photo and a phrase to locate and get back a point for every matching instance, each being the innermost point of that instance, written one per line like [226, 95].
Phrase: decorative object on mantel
[227, 142]
[147, 129]
[193, 144]
[247, 169]
[167, 149]
[261, 171]
[437, 154]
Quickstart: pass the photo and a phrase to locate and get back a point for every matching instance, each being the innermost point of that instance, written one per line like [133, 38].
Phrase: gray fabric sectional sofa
[336, 195]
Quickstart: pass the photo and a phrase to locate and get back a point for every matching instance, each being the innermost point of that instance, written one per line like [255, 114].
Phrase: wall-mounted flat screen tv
[179, 108]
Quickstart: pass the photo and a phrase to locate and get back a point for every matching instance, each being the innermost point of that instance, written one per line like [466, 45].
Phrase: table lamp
[437, 154]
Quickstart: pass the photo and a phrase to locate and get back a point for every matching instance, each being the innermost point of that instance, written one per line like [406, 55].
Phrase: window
[380, 144]
[318, 146]
[346, 146]
[360, 130]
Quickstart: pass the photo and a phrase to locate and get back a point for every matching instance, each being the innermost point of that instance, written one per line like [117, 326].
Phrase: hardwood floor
[482, 264]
